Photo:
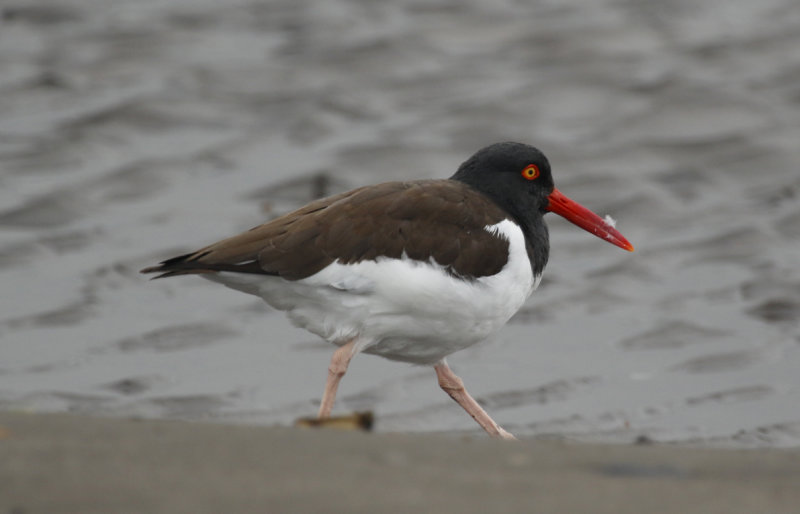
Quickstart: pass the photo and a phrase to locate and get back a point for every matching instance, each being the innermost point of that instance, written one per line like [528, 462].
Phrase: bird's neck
[537, 237]
[537, 240]
[530, 220]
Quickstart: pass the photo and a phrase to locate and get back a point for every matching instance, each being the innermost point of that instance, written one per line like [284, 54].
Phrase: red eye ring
[530, 172]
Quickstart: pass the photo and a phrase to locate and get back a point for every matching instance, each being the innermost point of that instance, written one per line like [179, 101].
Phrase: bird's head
[518, 178]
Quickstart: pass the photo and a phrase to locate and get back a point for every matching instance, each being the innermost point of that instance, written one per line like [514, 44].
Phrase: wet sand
[78, 464]
[131, 131]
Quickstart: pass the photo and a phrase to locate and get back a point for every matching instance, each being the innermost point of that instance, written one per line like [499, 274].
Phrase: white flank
[400, 309]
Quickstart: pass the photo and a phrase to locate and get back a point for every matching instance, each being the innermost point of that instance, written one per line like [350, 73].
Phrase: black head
[515, 175]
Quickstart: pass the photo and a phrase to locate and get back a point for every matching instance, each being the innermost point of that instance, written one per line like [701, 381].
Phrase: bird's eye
[530, 172]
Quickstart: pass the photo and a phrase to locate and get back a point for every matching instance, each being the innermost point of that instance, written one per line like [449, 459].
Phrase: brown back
[442, 220]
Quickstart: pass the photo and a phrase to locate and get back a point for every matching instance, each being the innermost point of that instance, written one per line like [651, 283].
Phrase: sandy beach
[59, 463]
[132, 131]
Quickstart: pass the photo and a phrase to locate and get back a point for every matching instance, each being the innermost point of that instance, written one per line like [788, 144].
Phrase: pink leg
[336, 370]
[454, 386]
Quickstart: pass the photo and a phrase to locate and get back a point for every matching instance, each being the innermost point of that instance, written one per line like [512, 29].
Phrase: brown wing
[439, 219]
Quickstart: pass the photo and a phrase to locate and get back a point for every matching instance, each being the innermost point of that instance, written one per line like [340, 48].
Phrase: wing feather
[439, 220]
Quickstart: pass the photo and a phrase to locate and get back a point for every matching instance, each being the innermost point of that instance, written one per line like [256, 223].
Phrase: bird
[411, 271]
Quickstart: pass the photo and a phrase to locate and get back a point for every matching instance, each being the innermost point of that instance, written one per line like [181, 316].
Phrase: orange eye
[531, 172]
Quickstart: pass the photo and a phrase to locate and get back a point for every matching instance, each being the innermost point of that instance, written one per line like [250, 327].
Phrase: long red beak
[586, 219]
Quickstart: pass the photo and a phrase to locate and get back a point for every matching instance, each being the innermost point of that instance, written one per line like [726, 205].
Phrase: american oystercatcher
[411, 271]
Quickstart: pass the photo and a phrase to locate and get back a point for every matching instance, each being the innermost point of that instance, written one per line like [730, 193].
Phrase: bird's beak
[586, 219]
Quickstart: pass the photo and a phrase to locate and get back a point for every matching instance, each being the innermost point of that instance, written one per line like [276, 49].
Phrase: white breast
[401, 309]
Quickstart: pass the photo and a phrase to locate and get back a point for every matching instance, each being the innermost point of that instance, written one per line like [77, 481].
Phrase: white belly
[400, 309]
